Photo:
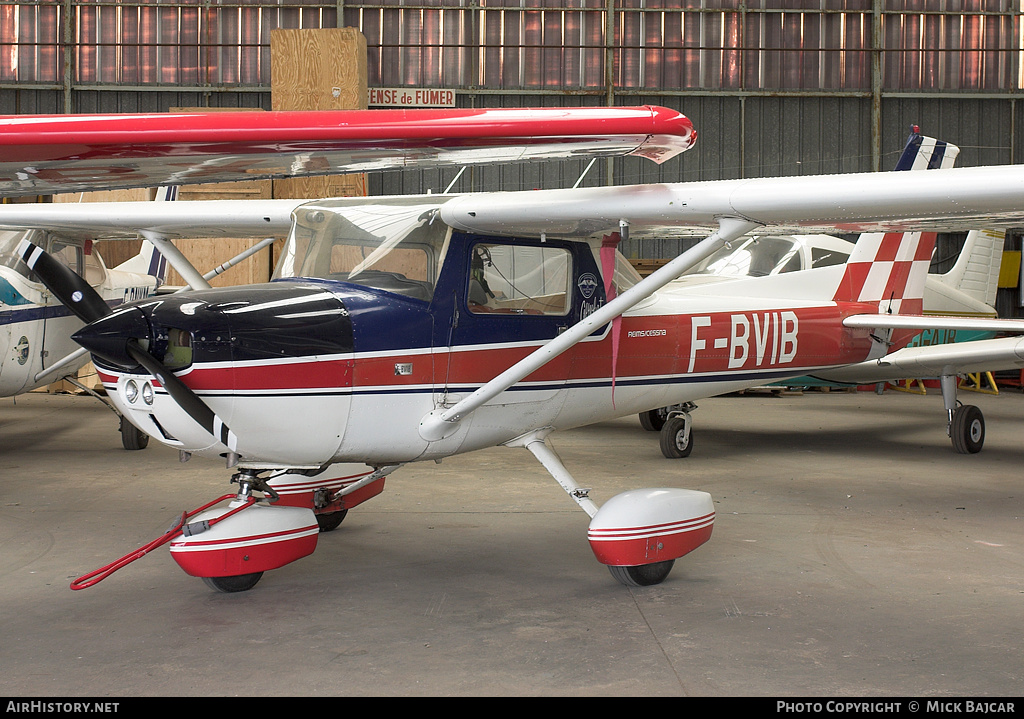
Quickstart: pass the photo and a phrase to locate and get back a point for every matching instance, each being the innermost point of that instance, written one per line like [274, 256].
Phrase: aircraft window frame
[516, 292]
[759, 256]
[9, 257]
[380, 233]
[624, 274]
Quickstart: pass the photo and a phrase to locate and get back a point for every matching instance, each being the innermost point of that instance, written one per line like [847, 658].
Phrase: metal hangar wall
[774, 87]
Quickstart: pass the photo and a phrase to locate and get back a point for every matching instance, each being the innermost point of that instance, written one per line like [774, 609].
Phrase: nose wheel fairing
[261, 538]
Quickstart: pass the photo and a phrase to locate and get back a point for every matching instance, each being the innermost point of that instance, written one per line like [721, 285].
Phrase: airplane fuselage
[312, 371]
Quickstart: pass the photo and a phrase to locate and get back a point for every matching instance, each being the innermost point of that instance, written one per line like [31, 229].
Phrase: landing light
[131, 391]
[147, 393]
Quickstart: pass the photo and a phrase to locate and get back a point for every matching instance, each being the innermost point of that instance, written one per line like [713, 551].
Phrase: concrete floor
[854, 554]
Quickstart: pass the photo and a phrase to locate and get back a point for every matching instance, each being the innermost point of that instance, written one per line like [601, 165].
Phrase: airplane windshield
[9, 256]
[391, 244]
[754, 257]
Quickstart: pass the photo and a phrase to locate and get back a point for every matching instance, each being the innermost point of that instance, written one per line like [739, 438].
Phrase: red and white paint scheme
[405, 329]
[247, 543]
[647, 526]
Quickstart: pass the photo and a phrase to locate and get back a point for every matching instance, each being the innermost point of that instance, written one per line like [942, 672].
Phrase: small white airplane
[35, 327]
[404, 329]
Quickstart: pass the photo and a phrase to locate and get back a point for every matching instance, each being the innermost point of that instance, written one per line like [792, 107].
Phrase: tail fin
[926, 153]
[888, 268]
[149, 261]
[976, 272]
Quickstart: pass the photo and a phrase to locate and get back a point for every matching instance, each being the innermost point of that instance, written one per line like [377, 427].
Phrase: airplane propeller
[109, 342]
[66, 285]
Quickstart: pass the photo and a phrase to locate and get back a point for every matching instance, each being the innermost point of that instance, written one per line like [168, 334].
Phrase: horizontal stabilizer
[921, 322]
[1006, 353]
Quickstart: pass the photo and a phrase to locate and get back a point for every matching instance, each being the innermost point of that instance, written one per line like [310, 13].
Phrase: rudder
[888, 269]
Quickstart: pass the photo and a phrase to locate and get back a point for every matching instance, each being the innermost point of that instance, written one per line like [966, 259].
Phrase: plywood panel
[318, 70]
[315, 69]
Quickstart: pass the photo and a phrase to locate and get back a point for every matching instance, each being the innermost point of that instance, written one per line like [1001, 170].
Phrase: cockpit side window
[519, 279]
[823, 257]
[67, 254]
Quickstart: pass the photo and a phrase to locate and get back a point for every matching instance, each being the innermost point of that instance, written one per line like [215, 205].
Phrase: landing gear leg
[965, 424]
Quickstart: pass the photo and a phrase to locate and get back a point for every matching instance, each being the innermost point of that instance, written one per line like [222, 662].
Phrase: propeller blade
[87, 304]
[187, 399]
[66, 285]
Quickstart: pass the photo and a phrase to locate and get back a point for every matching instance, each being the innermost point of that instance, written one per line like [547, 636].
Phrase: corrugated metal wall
[774, 87]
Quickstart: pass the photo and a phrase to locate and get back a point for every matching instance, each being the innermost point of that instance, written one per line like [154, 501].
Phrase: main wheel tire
[675, 442]
[967, 429]
[236, 583]
[132, 437]
[644, 575]
[653, 420]
[329, 521]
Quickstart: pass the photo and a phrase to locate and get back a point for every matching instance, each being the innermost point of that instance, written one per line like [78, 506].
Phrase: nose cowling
[228, 359]
[250, 323]
[107, 338]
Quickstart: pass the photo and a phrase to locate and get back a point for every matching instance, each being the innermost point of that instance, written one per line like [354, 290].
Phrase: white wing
[944, 199]
[112, 220]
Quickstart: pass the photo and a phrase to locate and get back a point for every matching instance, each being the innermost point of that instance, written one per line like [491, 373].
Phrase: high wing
[941, 199]
[43, 154]
[180, 219]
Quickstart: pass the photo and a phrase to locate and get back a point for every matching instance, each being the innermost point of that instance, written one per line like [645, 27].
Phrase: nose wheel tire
[644, 575]
[967, 430]
[236, 583]
[676, 439]
[329, 521]
[132, 437]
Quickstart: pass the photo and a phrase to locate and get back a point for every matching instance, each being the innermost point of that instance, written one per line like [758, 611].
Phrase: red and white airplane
[404, 329]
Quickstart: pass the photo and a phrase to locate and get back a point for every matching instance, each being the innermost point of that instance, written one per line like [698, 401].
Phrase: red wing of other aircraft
[65, 153]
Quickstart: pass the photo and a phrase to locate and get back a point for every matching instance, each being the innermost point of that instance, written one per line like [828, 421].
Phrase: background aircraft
[36, 348]
[968, 289]
[414, 328]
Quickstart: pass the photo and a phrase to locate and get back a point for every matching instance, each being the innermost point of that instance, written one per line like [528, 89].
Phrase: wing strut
[177, 260]
[442, 422]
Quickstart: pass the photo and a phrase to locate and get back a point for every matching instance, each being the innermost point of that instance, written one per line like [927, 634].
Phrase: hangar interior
[855, 557]
[774, 87]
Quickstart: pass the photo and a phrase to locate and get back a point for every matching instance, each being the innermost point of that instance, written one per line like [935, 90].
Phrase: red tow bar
[92, 578]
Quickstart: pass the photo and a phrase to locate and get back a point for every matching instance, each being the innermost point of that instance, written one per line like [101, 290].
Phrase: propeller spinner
[115, 336]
